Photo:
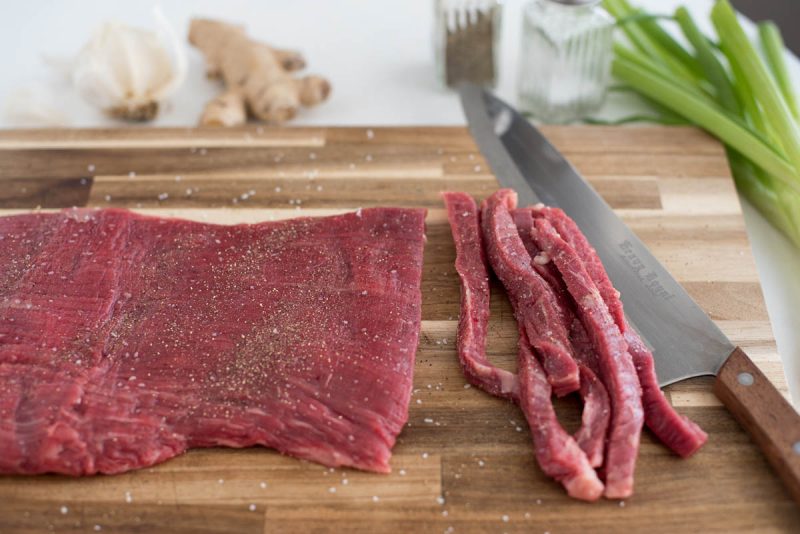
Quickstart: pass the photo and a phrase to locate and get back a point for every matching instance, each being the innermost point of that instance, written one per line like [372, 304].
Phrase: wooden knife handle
[769, 419]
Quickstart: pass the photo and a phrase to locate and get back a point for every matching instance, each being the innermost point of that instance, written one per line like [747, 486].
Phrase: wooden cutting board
[465, 461]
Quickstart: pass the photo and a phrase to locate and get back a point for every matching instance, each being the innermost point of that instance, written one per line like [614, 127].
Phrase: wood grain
[464, 462]
[770, 419]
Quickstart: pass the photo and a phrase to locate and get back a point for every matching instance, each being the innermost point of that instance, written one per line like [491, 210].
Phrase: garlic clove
[127, 71]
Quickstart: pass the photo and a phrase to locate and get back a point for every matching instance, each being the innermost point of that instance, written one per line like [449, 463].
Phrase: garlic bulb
[128, 72]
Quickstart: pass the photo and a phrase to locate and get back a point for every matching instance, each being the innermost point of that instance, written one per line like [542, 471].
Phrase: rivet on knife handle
[766, 415]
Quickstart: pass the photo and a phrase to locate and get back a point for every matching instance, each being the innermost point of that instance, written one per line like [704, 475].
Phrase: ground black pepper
[469, 48]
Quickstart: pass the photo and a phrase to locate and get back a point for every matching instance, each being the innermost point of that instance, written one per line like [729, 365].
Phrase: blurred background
[378, 55]
[785, 13]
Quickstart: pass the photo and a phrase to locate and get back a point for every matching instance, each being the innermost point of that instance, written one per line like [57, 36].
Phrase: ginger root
[257, 77]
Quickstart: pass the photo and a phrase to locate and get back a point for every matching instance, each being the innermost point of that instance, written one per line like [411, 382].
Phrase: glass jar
[466, 40]
[565, 60]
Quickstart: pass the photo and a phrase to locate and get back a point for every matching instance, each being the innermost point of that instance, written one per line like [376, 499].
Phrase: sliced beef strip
[473, 273]
[682, 435]
[472, 269]
[591, 436]
[125, 339]
[676, 431]
[614, 363]
[557, 453]
[536, 306]
[523, 219]
[570, 233]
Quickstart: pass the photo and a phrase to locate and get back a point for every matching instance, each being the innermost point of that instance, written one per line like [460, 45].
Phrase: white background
[378, 56]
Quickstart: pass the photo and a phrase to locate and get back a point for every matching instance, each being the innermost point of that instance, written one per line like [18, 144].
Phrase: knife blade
[684, 340]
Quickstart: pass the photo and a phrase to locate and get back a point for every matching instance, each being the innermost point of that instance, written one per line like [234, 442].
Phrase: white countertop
[378, 56]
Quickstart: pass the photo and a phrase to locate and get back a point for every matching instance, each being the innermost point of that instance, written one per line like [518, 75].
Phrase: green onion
[708, 60]
[765, 90]
[707, 114]
[772, 43]
[643, 41]
[665, 40]
[723, 85]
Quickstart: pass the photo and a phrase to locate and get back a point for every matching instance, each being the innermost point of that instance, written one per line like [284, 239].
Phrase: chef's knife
[684, 341]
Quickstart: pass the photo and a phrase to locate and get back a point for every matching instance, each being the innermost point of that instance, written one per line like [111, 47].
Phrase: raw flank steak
[591, 435]
[563, 297]
[676, 431]
[557, 453]
[473, 272]
[474, 321]
[126, 340]
[535, 304]
[613, 361]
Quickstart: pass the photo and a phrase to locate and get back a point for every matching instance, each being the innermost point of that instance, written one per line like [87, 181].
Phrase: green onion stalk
[725, 85]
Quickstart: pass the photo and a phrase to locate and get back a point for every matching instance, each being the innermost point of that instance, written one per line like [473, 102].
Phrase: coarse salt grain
[252, 507]
[375, 498]
[263, 485]
[64, 510]
[504, 518]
